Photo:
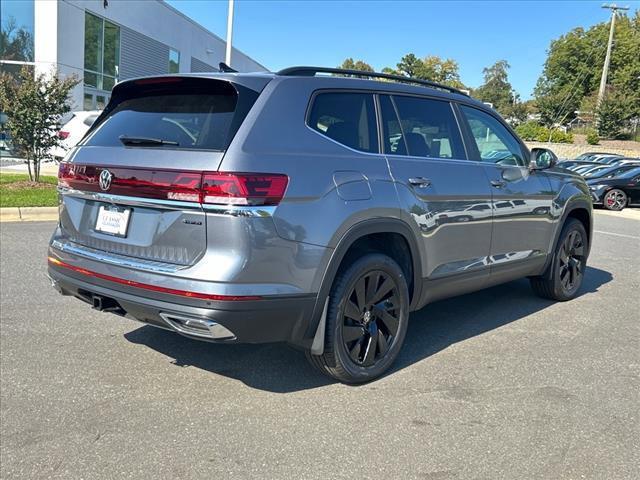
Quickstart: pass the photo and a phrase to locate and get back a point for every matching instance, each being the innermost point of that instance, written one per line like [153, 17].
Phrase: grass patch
[17, 191]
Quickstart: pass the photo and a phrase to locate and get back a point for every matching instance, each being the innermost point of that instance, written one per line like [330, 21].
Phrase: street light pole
[607, 59]
[227, 57]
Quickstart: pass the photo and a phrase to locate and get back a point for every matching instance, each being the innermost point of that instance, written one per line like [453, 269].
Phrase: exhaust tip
[198, 327]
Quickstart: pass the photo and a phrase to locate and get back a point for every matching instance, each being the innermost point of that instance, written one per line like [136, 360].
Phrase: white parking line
[618, 234]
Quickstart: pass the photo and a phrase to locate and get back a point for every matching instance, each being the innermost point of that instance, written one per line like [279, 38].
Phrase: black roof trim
[311, 71]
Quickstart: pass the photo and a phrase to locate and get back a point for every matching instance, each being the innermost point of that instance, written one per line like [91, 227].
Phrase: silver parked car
[309, 209]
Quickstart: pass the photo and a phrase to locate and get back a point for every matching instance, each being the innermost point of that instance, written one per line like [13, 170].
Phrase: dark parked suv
[310, 209]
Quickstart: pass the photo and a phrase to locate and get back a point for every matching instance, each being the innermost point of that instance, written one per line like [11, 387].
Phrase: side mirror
[542, 158]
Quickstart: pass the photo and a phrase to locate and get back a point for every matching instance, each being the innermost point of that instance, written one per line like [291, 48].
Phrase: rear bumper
[269, 319]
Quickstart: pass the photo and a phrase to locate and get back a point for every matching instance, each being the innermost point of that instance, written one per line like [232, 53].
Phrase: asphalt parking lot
[495, 384]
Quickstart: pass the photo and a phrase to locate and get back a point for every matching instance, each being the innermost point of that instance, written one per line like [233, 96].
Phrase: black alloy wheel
[371, 318]
[366, 321]
[567, 267]
[571, 262]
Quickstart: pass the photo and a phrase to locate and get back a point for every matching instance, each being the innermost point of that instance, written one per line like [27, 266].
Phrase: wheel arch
[582, 210]
[368, 229]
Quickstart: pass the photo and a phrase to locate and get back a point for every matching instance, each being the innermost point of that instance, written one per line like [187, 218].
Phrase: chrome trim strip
[127, 200]
[116, 259]
[240, 210]
[234, 210]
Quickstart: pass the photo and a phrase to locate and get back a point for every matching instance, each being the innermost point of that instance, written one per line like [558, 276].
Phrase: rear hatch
[133, 186]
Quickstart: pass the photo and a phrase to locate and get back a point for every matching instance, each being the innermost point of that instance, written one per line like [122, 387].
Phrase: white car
[73, 131]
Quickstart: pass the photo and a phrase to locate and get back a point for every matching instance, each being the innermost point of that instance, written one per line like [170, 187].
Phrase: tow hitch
[106, 304]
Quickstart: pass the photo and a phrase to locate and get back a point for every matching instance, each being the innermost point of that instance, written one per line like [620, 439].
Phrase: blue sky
[474, 33]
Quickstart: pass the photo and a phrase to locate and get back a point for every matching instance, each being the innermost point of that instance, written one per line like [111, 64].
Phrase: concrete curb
[28, 214]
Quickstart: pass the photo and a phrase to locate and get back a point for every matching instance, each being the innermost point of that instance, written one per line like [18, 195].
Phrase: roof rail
[311, 71]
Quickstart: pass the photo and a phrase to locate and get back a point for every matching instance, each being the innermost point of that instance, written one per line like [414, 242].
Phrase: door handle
[498, 183]
[419, 182]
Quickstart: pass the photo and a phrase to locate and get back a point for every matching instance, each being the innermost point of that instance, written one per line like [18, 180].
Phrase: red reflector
[243, 188]
[63, 135]
[158, 80]
[154, 288]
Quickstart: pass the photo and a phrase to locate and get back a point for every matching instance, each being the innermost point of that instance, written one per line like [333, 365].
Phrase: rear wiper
[145, 141]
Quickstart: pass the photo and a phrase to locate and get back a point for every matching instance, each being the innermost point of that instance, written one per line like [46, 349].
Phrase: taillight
[63, 174]
[217, 188]
[63, 135]
[243, 189]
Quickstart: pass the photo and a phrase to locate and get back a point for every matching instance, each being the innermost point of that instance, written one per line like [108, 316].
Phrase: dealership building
[106, 41]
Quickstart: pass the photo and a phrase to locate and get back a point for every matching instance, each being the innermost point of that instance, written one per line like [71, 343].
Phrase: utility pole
[605, 70]
[227, 57]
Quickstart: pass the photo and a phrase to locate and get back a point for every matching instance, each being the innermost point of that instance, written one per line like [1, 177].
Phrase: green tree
[409, 65]
[496, 88]
[574, 65]
[432, 68]
[34, 105]
[350, 64]
[612, 113]
[441, 71]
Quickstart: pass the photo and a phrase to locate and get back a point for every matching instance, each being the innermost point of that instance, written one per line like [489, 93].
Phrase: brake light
[218, 188]
[243, 189]
[158, 80]
[63, 135]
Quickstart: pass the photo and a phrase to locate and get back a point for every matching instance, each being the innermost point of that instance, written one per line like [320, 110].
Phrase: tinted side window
[346, 117]
[429, 128]
[391, 132]
[495, 143]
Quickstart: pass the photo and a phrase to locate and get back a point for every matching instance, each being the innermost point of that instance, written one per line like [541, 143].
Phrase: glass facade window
[101, 52]
[174, 61]
[17, 30]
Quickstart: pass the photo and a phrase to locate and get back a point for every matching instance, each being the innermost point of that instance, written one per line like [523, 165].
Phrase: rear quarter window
[347, 117]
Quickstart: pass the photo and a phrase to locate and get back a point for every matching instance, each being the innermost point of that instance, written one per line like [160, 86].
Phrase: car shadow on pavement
[280, 369]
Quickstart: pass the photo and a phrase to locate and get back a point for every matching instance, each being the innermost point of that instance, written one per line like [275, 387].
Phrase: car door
[633, 190]
[521, 198]
[443, 195]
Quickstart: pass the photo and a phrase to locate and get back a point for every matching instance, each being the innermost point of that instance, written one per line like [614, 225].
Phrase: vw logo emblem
[105, 180]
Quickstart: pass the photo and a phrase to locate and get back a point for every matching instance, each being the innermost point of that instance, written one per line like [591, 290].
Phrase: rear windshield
[199, 114]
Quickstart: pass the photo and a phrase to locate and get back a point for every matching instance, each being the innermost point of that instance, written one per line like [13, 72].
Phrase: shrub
[529, 130]
[558, 136]
[534, 131]
[592, 137]
[34, 105]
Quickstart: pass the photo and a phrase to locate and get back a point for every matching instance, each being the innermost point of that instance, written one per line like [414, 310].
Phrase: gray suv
[313, 209]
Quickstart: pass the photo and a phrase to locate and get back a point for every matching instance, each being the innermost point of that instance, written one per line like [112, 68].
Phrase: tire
[615, 200]
[366, 321]
[564, 275]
